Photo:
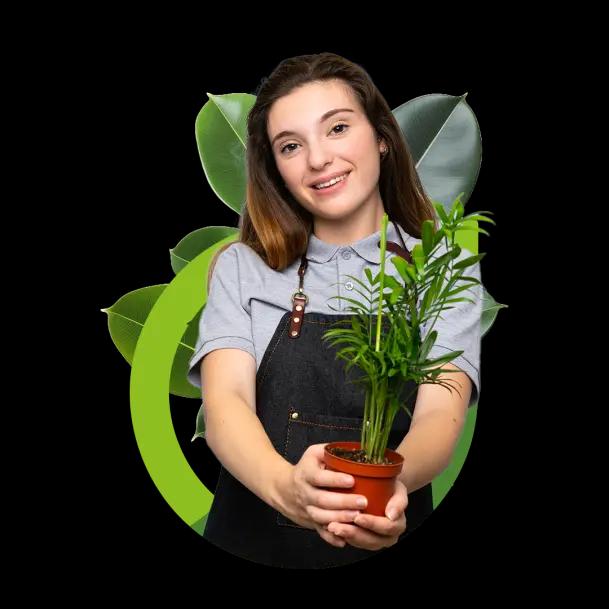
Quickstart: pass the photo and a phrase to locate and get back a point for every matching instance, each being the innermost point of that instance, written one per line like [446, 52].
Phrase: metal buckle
[300, 294]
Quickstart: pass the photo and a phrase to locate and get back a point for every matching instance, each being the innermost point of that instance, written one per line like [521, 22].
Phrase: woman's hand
[304, 500]
[376, 532]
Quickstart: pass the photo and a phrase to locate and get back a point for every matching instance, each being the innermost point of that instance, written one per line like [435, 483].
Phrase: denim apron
[303, 397]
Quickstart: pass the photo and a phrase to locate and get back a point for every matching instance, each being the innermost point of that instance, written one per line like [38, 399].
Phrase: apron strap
[396, 249]
[299, 301]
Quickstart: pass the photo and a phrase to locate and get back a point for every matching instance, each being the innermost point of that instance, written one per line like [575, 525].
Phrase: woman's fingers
[322, 516]
[361, 538]
[330, 500]
[330, 537]
[330, 479]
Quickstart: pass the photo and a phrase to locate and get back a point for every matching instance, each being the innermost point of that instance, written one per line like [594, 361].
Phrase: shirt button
[349, 285]
[346, 254]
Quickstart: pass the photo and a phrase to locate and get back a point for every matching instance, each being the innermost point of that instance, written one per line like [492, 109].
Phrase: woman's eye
[335, 127]
[339, 125]
[281, 151]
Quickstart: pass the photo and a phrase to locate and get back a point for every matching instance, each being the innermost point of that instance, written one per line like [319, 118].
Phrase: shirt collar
[367, 248]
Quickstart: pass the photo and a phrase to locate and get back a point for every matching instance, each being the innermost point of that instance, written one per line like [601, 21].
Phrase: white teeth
[331, 182]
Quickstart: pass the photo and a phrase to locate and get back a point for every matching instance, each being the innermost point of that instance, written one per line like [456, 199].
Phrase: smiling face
[320, 142]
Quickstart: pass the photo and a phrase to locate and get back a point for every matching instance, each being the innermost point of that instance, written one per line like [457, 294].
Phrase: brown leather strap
[299, 302]
[396, 249]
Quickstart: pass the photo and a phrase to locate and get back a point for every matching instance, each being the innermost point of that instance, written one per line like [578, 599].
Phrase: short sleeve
[459, 328]
[224, 322]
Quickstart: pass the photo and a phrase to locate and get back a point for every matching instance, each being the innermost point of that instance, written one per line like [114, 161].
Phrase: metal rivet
[299, 308]
[294, 333]
[294, 415]
[296, 320]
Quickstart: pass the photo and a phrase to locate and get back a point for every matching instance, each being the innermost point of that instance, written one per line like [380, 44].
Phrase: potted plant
[393, 354]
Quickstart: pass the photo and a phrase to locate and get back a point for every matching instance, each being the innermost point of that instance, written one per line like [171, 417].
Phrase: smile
[334, 188]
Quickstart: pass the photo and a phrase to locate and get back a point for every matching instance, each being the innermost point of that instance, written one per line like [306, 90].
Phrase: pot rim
[397, 458]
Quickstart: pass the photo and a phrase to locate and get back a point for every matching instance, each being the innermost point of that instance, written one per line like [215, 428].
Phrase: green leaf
[457, 210]
[418, 258]
[359, 282]
[126, 318]
[190, 246]
[444, 138]
[392, 282]
[438, 237]
[427, 237]
[490, 308]
[444, 359]
[428, 343]
[200, 427]
[479, 217]
[475, 229]
[221, 135]
[366, 298]
[359, 306]
[457, 291]
[402, 267]
[439, 207]
[471, 260]
[443, 260]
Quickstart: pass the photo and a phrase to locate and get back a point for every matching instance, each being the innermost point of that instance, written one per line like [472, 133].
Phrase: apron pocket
[304, 429]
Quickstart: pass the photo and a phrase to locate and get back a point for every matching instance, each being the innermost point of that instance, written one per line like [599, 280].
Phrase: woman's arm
[233, 431]
[436, 426]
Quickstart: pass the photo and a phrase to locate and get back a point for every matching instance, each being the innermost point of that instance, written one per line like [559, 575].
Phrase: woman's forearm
[236, 437]
[428, 448]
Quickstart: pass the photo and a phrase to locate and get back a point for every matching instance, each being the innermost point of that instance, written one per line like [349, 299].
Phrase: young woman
[325, 158]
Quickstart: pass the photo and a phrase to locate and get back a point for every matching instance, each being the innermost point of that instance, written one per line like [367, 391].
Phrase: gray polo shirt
[246, 300]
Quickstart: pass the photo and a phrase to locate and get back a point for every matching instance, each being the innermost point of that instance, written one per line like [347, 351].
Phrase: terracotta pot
[375, 481]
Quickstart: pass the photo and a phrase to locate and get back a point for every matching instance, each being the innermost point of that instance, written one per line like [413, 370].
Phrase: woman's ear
[383, 146]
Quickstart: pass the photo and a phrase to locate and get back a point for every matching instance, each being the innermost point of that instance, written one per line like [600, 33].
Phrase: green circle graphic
[149, 391]
[149, 395]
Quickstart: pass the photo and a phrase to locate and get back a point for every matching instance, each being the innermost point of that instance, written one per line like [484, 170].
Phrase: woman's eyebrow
[323, 118]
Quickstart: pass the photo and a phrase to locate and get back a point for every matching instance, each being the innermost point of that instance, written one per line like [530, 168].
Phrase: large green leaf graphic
[200, 425]
[490, 307]
[221, 134]
[126, 318]
[444, 139]
[127, 315]
[196, 242]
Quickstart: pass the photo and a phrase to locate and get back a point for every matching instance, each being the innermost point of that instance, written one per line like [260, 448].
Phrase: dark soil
[358, 456]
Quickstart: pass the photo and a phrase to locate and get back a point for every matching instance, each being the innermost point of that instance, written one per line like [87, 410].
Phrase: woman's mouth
[333, 188]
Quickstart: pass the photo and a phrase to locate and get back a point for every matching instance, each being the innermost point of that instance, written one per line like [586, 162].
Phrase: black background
[147, 179]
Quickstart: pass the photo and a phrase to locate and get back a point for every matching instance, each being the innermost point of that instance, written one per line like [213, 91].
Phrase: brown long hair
[273, 223]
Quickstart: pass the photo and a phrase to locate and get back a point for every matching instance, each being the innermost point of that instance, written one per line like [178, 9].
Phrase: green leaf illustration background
[445, 141]
[190, 246]
[221, 134]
